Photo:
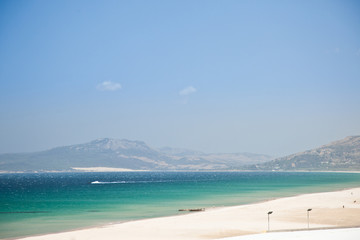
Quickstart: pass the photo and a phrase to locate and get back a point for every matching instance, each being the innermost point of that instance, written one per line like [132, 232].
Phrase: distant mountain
[179, 151]
[109, 153]
[336, 156]
[192, 159]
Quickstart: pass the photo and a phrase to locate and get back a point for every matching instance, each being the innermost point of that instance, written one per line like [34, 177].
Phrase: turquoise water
[53, 202]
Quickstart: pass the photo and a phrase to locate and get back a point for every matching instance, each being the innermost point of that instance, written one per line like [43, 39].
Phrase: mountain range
[124, 154]
[342, 155]
[119, 155]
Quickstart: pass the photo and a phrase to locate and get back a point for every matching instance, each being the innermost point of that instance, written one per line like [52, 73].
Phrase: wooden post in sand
[269, 220]
[308, 216]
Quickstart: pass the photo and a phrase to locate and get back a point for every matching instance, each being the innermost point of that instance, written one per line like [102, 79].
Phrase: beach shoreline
[221, 222]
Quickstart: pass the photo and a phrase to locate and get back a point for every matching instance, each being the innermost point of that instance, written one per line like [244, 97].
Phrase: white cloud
[187, 91]
[108, 86]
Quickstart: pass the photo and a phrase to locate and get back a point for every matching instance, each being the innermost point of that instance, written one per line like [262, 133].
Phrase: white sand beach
[328, 234]
[332, 209]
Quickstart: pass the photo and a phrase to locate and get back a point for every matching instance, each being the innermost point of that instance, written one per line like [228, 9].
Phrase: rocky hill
[336, 156]
[123, 154]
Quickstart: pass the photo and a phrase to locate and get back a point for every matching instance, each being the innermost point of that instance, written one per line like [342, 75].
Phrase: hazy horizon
[173, 147]
[267, 77]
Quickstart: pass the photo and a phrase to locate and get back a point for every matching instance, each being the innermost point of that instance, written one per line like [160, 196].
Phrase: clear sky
[272, 77]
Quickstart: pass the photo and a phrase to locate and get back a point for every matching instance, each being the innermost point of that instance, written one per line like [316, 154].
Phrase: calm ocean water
[53, 202]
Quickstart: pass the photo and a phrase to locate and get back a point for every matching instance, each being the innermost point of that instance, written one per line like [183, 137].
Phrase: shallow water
[52, 202]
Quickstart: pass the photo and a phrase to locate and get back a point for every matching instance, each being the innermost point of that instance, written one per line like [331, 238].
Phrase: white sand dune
[332, 209]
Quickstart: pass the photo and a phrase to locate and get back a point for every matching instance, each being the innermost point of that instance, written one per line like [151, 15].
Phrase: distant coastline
[108, 169]
[115, 155]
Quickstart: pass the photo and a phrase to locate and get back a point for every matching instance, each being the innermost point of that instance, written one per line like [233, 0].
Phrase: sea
[40, 203]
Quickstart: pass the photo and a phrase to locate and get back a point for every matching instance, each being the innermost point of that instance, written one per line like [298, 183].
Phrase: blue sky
[273, 77]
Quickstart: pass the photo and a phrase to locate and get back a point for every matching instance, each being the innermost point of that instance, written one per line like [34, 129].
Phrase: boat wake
[123, 182]
[97, 182]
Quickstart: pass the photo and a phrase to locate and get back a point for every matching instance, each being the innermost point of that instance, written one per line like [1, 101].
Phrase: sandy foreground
[328, 234]
[332, 209]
